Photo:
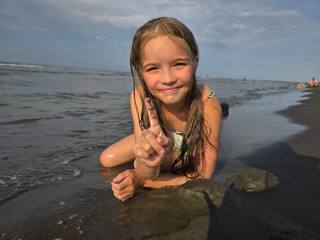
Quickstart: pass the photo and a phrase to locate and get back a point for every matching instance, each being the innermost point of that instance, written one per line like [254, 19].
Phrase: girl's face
[167, 70]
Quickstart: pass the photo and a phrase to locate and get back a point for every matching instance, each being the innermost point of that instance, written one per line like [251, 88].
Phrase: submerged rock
[215, 191]
[253, 180]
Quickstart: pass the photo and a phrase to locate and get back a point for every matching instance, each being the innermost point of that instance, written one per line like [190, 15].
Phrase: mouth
[169, 90]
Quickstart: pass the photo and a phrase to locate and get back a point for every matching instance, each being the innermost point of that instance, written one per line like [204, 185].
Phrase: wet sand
[291, 210]
[85, 208]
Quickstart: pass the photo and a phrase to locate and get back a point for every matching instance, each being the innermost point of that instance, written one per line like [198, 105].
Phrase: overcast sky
[257, 39]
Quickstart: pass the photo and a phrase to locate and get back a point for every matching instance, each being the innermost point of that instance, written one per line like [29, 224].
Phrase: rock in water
[214, 190]
[253, 180]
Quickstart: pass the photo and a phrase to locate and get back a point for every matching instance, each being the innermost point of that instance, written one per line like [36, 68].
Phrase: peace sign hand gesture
[151, 147]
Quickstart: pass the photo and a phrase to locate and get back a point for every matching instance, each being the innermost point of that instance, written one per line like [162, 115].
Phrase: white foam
[20, 65]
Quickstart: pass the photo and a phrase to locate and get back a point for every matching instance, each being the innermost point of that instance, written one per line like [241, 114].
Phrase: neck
[179, 110]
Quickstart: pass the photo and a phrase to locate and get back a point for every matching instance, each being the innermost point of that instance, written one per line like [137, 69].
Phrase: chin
[171, 100]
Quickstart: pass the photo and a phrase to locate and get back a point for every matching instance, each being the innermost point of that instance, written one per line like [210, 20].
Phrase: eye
[180, 64]
[151, 69]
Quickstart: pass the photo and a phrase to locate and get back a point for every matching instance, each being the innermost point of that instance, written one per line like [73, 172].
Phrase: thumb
[163, 140]
[120, 177]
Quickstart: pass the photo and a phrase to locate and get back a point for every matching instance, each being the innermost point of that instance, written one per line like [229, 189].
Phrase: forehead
[166, 46]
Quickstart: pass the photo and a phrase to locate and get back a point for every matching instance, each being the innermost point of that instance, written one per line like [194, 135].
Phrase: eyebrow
[175, 60]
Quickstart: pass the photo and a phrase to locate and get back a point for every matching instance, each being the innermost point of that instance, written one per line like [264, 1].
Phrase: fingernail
[148, 100]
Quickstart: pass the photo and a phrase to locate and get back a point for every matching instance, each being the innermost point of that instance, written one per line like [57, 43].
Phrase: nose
[168, 77]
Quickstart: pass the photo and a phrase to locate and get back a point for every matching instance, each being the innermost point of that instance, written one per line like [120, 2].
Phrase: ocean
[55, 120]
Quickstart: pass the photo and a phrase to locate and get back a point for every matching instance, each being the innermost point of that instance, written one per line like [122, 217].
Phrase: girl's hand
[126, 184]
[151, 147]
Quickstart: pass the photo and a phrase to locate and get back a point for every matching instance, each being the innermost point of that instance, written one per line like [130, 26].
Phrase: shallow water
[253, 126]
[56, 120]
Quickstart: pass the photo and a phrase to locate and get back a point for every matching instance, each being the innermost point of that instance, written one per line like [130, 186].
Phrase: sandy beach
[85, 209]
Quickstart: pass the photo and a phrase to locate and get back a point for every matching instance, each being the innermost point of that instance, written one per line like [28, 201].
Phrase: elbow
[207, 177]
[105, 160]
[204, 177]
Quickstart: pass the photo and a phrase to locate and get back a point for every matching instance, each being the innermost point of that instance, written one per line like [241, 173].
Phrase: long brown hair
[192, 150]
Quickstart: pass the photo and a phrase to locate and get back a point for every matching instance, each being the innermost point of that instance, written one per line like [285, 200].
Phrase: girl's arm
[165, 180]
[146, 167]
[212, 118]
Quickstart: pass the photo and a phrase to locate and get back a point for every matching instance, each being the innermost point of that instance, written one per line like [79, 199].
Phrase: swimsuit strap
[211, 95]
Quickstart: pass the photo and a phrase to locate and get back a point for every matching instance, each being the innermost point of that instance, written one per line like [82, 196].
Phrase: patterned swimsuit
[178, 136]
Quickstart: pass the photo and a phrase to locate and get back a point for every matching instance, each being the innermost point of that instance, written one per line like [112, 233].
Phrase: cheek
[150, 81]
[186, 76]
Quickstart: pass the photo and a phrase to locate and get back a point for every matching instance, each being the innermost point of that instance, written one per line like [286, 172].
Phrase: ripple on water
[20, 182]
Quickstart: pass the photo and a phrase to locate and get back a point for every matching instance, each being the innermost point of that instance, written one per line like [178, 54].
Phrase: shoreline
[254, 125]
[291, 210]
[86, 209]
[306, 113]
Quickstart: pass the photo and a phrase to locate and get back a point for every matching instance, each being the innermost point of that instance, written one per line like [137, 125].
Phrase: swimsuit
[177, 139]
[178, 136]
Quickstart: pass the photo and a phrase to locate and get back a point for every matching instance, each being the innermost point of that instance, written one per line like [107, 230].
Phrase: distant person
[301, 85]
[314, 83]
[176, 120]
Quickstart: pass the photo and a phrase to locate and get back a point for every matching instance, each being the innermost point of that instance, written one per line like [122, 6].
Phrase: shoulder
[211, 104]
[207, 92]
[208, 95]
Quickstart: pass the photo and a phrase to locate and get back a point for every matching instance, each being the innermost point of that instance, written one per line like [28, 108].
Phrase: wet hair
[225, 109]
[192, 150]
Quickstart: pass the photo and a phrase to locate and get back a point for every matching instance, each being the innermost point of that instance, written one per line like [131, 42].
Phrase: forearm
[145, 172]
[166, 180]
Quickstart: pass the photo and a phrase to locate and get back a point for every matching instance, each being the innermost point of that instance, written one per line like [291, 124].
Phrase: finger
[146, 147]
[152, 114]
[151, 164]
[140, 153]
[120, 177]
[115, 193]
[163, 141]
[143, 143]
[115, 187]
[123, 194]
[126, 196]
[151, 141]
[117, 196]
[118, 186]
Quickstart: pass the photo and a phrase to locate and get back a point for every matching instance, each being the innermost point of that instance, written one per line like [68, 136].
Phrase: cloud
[254, 26]
[231, 23]
[117, 21]
[280, 13]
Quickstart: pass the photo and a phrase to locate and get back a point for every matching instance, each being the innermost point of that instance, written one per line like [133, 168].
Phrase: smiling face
[167, 69]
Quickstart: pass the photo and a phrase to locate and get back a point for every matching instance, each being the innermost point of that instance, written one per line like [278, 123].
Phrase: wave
[22, 121]
[17, 65]
[64, 95]
[21, 182]
[51, 69]
[30, 120]
[70, 95]
[4, 104]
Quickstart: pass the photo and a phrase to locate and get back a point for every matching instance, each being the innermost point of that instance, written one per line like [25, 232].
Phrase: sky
[254, 39]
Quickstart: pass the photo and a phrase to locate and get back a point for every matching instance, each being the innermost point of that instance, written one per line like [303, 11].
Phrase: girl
[176, 121]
